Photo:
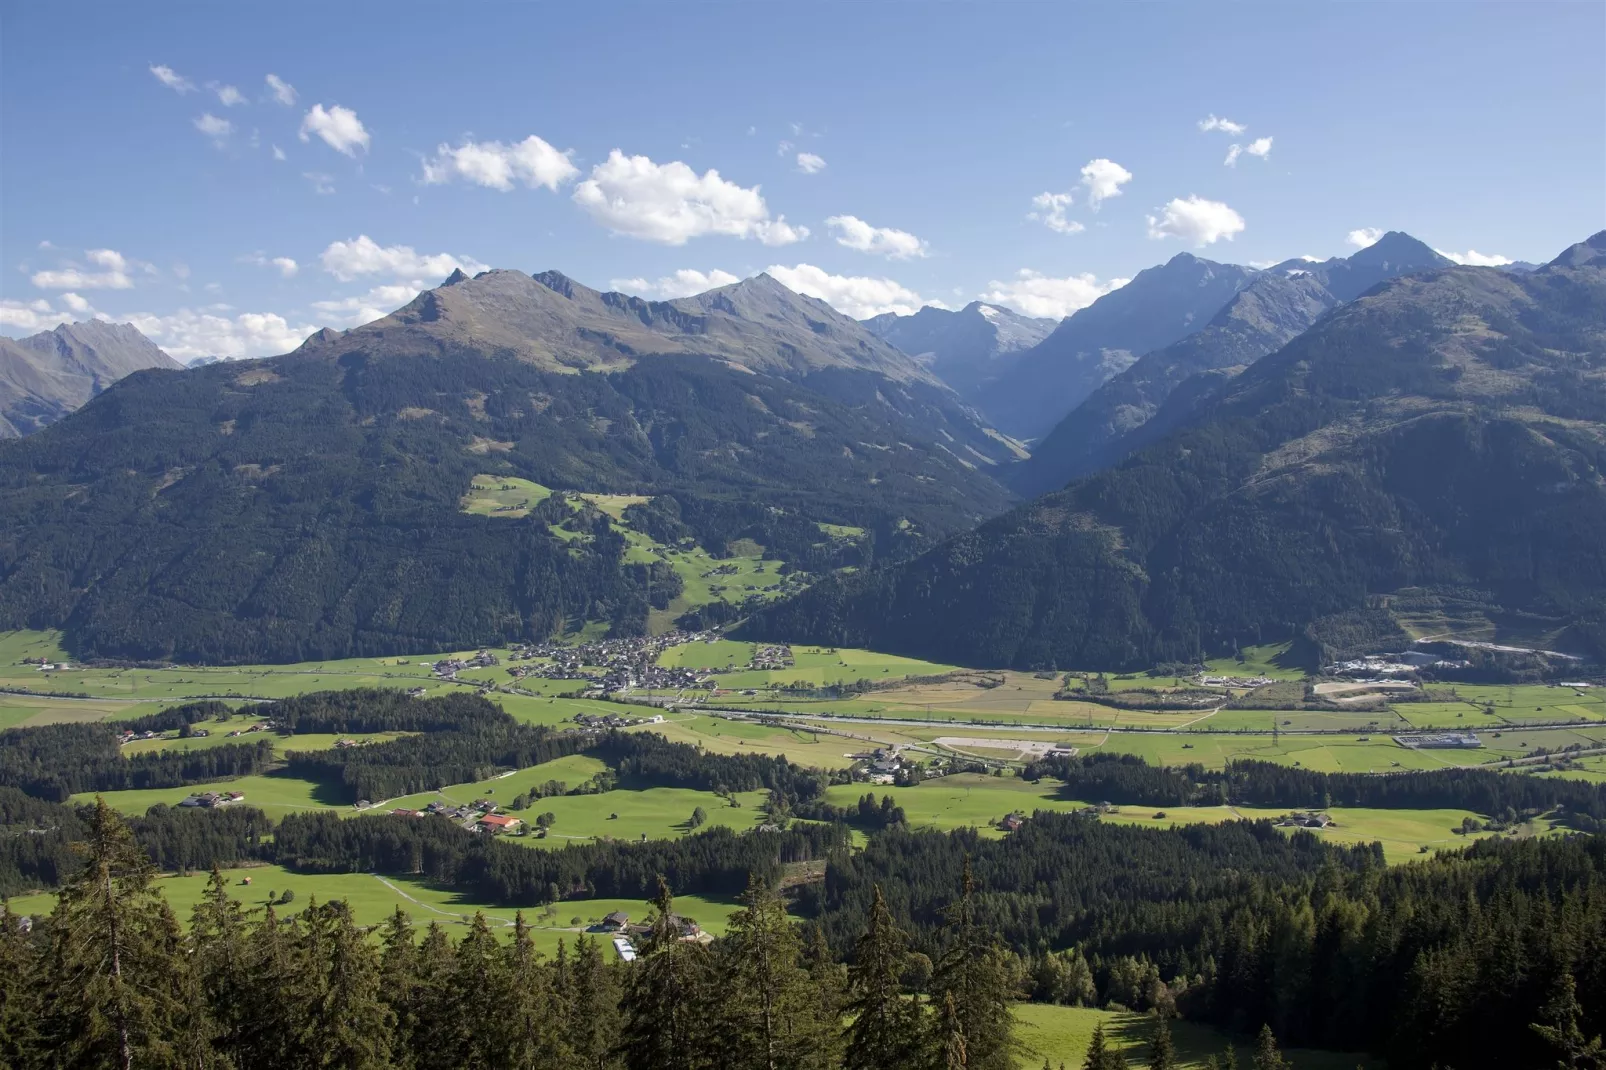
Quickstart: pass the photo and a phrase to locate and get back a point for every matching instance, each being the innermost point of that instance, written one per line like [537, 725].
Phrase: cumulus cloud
[1103, 179]
[113, 276]
[33, 316]
[809, 163]
[321, 183]
[1033, 294]
[893, 244]
[1196, 220]
[348, 260]
[671, 203]
[190, 333]
[282, 264]
[1261, 147]
[1226, 126]
[213, 127]
[377, 303]
[491, 163]
[339, 128]
[683, 283]
[172, 79]
[1049, 210]
[281, 90]
[858, 296]
[1473, 258]
[78, 306]
[229, 95]
[1364, 236]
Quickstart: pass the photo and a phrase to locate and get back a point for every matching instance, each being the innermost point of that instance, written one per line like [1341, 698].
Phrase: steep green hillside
[1449, 429]
[309, 506]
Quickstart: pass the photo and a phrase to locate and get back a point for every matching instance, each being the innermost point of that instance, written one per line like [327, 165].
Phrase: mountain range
[47, 375]
[1438, 441]
[308, 505]
[967, 348]
[1275, 307]
[1159, 306]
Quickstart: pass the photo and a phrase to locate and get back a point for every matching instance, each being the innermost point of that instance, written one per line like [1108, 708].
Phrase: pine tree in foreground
[1100, 1056]
[668, 1003]
[1267, 1055]
[1162, 1051]
[886, 1026]
[974, 975]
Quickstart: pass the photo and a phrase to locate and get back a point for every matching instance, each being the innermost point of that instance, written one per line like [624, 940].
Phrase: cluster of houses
[614, 720]
[1233, 681]
[211, 800]
[625, 934]
[262, 726]
[479, 815]
[772, 657]
[448, 668]
[614, 664]
[1306, 819]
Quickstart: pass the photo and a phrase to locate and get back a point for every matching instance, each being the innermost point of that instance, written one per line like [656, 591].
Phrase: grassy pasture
[503, 496]
[1061, 1035]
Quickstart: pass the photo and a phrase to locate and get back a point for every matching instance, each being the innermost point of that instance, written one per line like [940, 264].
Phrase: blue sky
[926, 150]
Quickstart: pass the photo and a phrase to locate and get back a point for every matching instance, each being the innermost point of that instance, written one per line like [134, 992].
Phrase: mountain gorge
[47, 375]
[1159, 306]
[968, 348]
[308, 505]
[1445, 431]
[1274, 308]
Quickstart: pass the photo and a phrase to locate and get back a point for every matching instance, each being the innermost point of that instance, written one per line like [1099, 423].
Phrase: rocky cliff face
[46, 376]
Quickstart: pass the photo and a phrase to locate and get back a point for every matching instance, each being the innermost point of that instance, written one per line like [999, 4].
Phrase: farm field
[971, 800]
[1061, 1034]
[506, 496]
[721, 736]
[274, 794]
[374, 899]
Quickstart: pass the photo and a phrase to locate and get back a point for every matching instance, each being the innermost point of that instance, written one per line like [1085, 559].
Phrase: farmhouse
[1011, 822]
[494, 823]
[213, 799]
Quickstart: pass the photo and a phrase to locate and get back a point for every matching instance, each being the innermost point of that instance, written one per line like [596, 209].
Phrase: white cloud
[671, 203]
[375, 304]
[190, 333]
[858, 296]
[1226, 126]
[809, 163]
[1050, 211]
[348, 260]
[1473, 258]
[213, 127]
[282, 264]
[1032, 294]
[278, 154]
[1364, 236]
[282, 91]
[683, 283]
[1261, 147]
[230, 96]
[77, 305]
[73, 277]
[321, 183]
[33, 316]
[172, 79]
[893, 244]
[339, 127]
[491, 163]
[1196, 220]
[1103, 179]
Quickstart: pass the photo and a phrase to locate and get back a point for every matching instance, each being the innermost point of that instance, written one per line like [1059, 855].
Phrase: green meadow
[1061, 1035]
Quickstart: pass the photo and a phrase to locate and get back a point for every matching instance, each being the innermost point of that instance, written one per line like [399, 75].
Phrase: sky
[230, 178]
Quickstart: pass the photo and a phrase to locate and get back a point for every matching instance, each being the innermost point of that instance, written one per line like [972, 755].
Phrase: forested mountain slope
[1159, 306]
[47, 375]
[308, 505]
[1448, 428]
[1274, 309]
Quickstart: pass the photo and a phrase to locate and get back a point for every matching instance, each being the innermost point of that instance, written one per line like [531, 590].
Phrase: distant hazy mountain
[1159, 306]
[47, 375]
[1278, 305]
[966, 348]
[1441, 433]
[201, 362]
[308, 505]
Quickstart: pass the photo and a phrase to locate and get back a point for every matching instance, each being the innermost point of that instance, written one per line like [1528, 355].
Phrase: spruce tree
[437, 1027]
[399, 984]
[351, 1026]
[1162, 1051]
[769, 1013]
[1100, 1056]
[1561, 1030]
[667, 1003]
[220, 959]
[116, 977]
[1267, 1056]
[20, 991]
[592, 1008]
[828, 989]
[973, 971]
[885, 1029]
[480, 991]
[534, 1025]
